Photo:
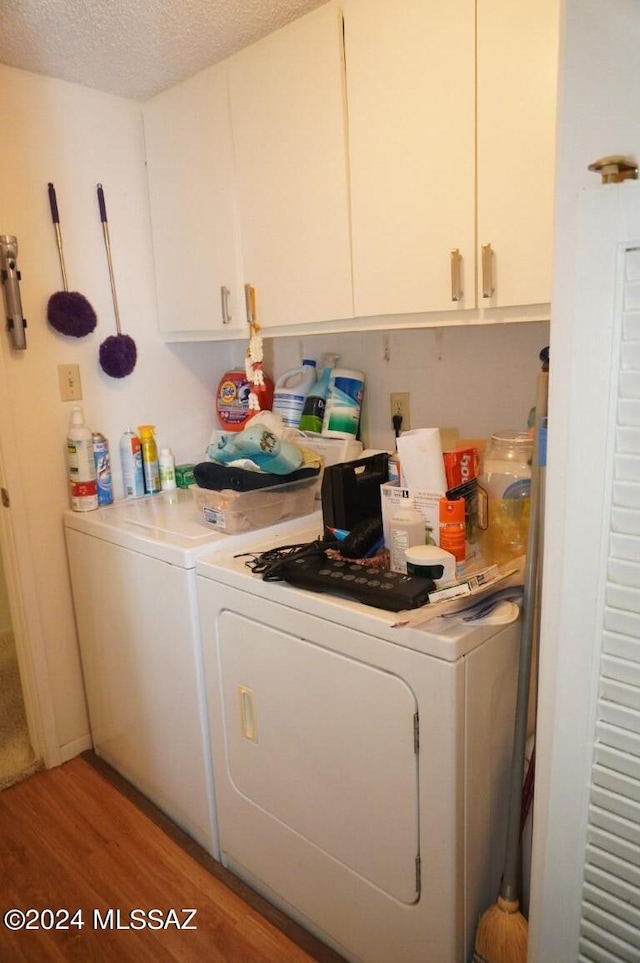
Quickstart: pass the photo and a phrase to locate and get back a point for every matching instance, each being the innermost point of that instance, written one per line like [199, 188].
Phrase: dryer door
[323, 744]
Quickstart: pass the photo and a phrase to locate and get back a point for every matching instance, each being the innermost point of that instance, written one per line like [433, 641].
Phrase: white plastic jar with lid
[505, 478]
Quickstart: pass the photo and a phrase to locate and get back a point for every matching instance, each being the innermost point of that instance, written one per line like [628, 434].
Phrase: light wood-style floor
[80, 838]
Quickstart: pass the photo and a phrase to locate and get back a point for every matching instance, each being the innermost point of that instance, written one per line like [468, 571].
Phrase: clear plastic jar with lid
[505, 477]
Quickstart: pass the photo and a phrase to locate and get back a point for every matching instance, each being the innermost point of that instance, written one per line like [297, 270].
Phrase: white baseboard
[72, 749]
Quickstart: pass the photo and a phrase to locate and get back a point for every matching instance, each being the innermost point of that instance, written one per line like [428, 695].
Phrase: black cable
[397, 424]
[269, 563]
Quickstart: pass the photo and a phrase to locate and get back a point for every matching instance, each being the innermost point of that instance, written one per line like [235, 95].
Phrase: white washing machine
[133, 578]
[361, 769]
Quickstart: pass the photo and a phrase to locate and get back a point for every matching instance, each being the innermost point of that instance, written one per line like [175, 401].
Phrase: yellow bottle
[150, 466]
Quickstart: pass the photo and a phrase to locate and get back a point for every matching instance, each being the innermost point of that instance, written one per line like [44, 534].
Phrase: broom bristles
[502, 934]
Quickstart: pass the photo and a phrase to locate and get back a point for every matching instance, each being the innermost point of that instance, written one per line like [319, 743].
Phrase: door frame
[17, 560]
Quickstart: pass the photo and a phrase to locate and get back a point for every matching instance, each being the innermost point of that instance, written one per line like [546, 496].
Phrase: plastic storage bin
[232, 512]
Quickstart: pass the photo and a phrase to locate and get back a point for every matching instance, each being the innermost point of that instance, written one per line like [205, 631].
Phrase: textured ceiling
[134, 48]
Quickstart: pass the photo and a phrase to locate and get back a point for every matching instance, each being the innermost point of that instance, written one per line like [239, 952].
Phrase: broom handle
[509, 884]
[107, 244]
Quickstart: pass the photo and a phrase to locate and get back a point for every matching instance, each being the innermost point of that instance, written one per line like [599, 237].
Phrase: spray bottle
[150, 465]
[131, 462]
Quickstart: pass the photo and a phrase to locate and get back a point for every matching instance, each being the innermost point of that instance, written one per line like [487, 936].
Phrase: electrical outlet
[69, 381]
[400, 406]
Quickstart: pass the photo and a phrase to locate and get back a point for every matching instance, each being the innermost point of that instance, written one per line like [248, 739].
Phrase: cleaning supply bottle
[131, 463]
[315, 403]
[344, 401]
[167, 467]
[81, 466]
[406, 528]
[291, 391]
[102, 459]
[453, 530]
[150, 465]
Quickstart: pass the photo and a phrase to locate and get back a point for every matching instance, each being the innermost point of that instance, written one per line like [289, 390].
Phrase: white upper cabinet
[367, 160]
[288, 114]
[451, 117]
[411, 90]
[190, 174]
[517, 85]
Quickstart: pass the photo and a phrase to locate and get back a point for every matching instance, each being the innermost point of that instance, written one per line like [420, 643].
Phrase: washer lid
[172, 513]
[167, 526]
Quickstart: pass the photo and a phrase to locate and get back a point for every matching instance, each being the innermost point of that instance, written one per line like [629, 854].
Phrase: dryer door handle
[248, 720]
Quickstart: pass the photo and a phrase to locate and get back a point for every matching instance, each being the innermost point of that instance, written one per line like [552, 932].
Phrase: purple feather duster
[118, 355]
[69, 312]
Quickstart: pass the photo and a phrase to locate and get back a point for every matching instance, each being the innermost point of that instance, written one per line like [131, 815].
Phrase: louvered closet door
[610, 924]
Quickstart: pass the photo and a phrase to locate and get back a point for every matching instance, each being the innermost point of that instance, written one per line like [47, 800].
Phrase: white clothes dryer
[132, 567]
[361, 769]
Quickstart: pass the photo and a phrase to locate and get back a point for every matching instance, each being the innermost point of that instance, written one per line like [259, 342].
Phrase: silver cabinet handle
[224, 295]
[456, 275]
[250, 301]
[488, 288]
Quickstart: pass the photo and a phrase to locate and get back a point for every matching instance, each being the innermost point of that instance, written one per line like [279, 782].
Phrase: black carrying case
[351, 491]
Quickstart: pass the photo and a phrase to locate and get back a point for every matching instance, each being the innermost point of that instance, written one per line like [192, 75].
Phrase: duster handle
[107, 244]
[55, 217]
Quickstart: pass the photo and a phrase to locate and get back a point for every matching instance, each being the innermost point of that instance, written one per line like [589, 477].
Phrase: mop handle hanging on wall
[107, 244]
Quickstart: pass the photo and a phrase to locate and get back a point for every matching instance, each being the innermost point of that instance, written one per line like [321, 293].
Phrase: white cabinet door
[193, 220]
[289, 128]
[410, 84]
[517, 84]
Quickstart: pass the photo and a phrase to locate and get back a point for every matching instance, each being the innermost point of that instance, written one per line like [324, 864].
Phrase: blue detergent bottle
[313, 411]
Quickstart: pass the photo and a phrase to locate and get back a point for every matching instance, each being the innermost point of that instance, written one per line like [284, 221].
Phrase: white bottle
[291, 392]
[131, 461]
[167, 467]
[407, 528]
[81, 465]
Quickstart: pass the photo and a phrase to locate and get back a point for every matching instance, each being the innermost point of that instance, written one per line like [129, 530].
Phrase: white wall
[600, 92]
[76, 137]
[478, 378]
